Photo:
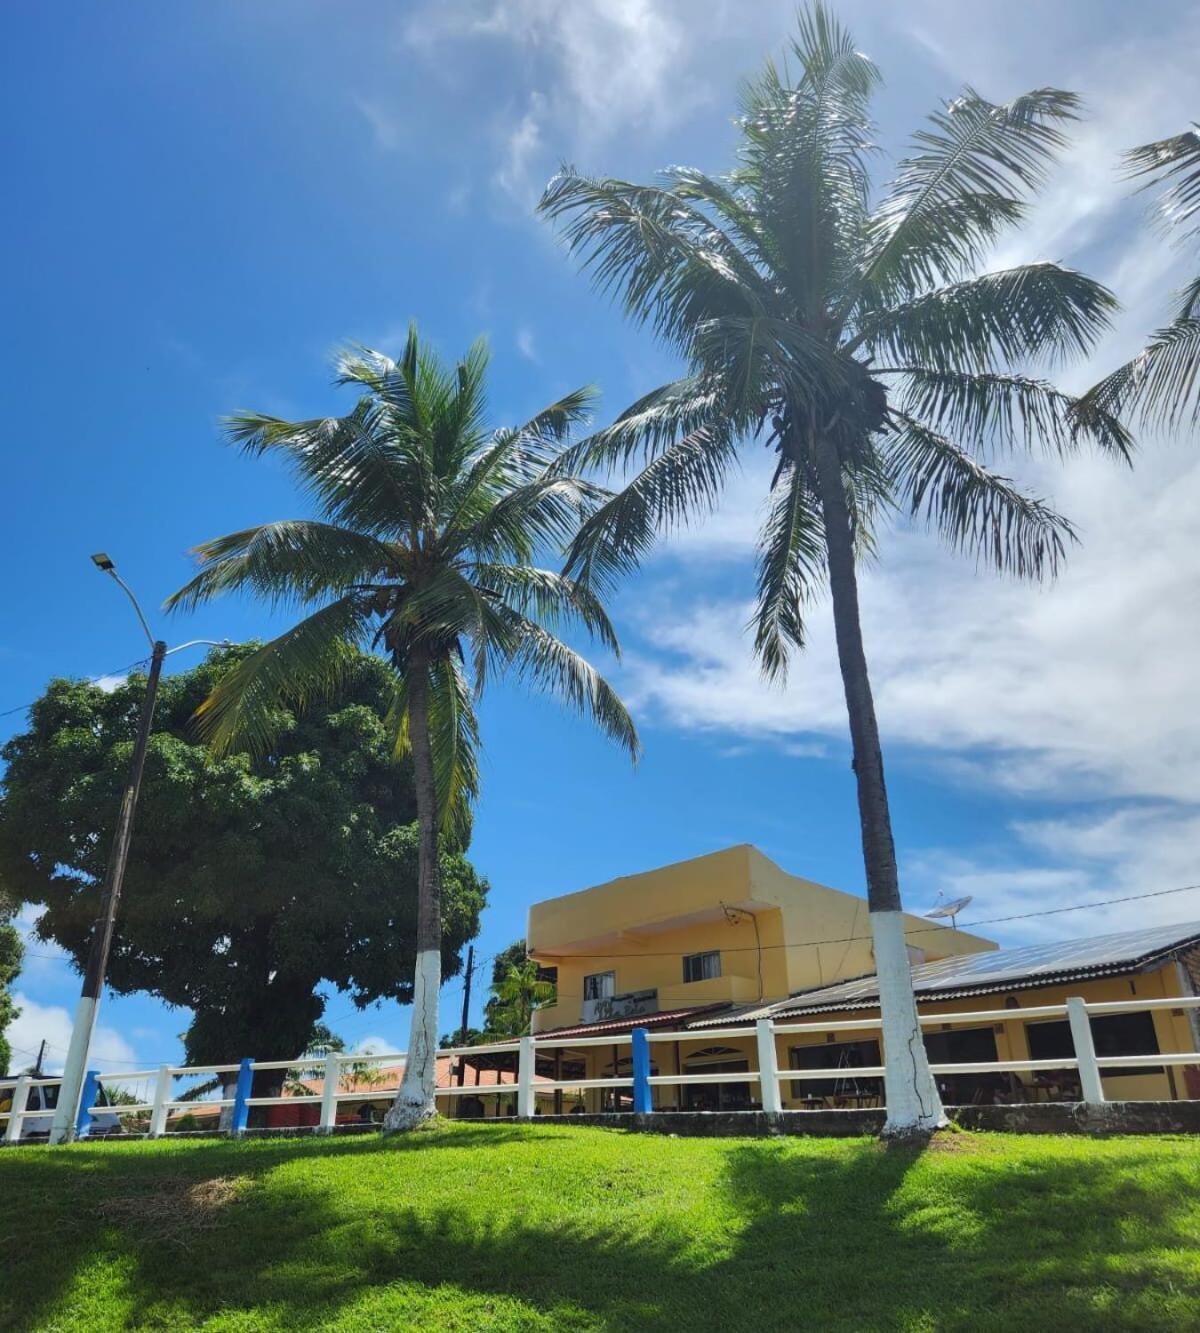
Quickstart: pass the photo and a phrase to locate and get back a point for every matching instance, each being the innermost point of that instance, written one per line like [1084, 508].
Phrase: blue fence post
[87, 1099]
[642, 1104]
[241, 1096]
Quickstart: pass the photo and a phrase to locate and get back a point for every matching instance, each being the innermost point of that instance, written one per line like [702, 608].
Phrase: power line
[90, 680]
[845, 939]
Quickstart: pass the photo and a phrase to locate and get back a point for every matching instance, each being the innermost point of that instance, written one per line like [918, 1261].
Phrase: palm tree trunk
[414, 1101]
[913, 1104]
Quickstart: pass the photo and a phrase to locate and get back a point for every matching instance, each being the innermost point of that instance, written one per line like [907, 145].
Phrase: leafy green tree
[11, 953]
[430, 528]
[1162, 382]
[253, 880]
[850, 330]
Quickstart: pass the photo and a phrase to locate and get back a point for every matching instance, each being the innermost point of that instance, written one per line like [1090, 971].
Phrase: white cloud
[52, 1023]
[110, 683]
[385, 122]
[612, 63]
[516, 175]
[372, 1045]
[527, 345]
[1146, 855]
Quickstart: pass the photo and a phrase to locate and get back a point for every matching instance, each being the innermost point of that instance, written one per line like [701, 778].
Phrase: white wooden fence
[768, 1074]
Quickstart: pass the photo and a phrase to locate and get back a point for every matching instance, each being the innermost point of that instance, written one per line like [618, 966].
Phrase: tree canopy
[10, 965]
[253, 880]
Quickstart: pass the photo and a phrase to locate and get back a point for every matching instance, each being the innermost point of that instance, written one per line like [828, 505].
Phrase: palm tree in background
[432, 524]
[515, 995]
[858, 339]
[1163, 380]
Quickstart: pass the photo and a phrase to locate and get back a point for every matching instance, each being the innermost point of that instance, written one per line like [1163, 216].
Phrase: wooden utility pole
[462, 1031]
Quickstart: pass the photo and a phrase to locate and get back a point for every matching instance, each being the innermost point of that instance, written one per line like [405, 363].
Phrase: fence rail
[768, 1075]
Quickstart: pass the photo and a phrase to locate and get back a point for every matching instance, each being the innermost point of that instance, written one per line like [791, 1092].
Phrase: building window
[733, 1096]
[702, 966]
[1112, 1034]
[599, 986]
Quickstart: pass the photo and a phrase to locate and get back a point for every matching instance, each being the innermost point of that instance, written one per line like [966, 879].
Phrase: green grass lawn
[550, 1227]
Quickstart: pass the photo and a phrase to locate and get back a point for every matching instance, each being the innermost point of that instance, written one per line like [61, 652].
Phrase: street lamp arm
[112, 573]
[191, 643]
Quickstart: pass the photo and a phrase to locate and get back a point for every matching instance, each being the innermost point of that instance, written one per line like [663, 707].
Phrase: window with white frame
[702, 966]
[599, 986]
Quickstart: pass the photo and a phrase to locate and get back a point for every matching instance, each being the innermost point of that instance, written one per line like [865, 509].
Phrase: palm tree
[515, 995]
[1164, 377]
[426, 552]
[857, 338]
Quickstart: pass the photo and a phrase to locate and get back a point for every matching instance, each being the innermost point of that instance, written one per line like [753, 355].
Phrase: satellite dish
[950, 909]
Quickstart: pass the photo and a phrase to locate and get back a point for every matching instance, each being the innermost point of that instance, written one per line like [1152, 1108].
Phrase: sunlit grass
[551, 1227]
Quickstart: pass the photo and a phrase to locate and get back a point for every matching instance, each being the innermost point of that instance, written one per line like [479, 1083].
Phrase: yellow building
[713, 944]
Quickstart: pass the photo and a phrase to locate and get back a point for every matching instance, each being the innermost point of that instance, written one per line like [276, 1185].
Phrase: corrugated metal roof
[987, 973]
[619, 1025]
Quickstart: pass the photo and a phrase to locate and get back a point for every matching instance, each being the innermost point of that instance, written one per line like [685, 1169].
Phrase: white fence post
[525, 1102]
[768, 1068]
[329, 1093]
[16, 1112]
[1085, 1050]
[162, 1091]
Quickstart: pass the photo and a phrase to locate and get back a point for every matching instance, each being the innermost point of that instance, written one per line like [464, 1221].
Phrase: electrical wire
[928, 930]
[89, 680]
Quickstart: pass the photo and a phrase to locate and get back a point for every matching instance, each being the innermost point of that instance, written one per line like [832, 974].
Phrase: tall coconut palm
[856, 336]
[427, 551]
[1162, 383]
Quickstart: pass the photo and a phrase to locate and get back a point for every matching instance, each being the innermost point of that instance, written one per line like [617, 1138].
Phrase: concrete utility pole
[67, 1109]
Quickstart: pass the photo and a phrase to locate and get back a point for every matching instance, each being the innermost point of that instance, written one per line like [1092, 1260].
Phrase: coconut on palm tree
[1162, 383]
[426, 551]
[852, 332]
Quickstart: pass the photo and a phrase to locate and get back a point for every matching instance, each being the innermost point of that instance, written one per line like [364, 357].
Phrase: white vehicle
[39, 1112]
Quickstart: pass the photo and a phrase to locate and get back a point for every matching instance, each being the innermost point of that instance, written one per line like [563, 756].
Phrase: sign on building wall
[629, 1005]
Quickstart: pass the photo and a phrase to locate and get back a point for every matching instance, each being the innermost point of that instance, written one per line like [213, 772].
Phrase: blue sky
[205, 198]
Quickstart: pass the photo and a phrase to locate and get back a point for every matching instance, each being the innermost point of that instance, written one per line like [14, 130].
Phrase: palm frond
[1034, 312]
[802, 160]
[1161, 385]
[684, 481]
[553, 599]
[1174, 165]
[361, 469]
[454, 741]
[973, 167]
[791, 565]
[555, 422]
[542, 514]
[669, 263]
[288, 562]
[998, 413]
[646, 427]
[304, 662]
[386, 379]
[546, 662]
[973, 509]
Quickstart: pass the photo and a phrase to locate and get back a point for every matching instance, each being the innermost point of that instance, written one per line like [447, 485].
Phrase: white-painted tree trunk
[414, 1101]
[914, 1106]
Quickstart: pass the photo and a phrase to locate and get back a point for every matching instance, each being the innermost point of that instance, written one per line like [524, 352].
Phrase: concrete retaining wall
[1032, 1118]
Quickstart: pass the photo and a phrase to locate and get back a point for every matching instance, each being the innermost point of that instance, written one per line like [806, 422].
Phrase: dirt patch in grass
[175, 1208]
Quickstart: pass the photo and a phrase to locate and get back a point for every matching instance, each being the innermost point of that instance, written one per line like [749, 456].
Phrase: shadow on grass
[848, 1239]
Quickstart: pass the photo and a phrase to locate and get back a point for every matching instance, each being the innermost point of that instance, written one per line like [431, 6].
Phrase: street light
[67, 1109]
